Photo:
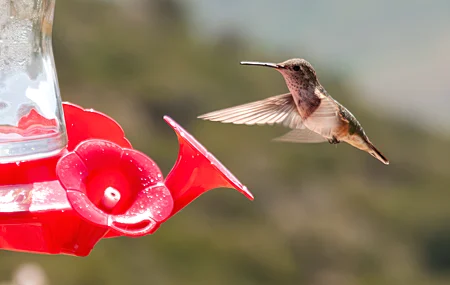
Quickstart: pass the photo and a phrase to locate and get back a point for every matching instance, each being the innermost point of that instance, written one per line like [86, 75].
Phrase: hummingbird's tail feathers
[377, 154]
[279, 109]
[301, 136]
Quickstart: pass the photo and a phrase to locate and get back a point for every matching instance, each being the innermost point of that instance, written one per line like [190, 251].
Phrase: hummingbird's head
[297, 72]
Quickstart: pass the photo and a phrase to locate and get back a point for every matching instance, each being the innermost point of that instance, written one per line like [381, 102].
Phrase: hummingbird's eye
[296, 67]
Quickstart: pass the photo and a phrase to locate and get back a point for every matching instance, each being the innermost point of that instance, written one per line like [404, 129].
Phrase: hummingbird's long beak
[268, 64]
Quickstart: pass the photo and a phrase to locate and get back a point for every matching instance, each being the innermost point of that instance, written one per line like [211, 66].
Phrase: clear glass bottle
[31, 117]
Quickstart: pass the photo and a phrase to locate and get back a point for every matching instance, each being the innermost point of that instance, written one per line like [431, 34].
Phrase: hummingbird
[308, 110]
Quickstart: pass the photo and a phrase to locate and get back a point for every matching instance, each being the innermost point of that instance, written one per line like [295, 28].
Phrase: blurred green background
[323, 214]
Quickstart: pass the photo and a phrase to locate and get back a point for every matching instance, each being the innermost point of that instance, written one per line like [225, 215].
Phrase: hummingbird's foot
[334, 141]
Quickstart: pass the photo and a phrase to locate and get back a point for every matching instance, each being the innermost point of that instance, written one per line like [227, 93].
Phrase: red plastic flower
[97, 165]
[83, 124]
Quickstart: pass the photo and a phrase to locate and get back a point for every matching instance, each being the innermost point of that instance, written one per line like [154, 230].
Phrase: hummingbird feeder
[68, 175]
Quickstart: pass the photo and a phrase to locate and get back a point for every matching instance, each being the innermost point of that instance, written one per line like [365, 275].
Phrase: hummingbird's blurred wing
[320, 124]
[301, 136]
[325, 118]
[279, 109]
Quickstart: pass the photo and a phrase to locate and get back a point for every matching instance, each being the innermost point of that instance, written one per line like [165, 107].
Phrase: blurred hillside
[322, 215]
